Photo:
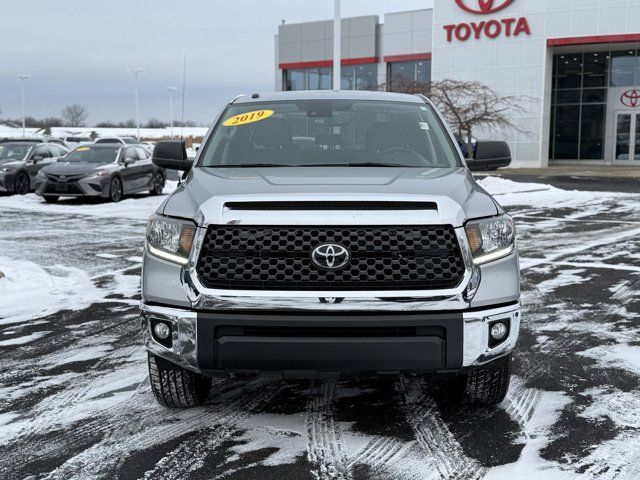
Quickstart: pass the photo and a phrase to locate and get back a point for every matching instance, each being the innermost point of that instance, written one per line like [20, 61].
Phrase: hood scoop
[330, 205]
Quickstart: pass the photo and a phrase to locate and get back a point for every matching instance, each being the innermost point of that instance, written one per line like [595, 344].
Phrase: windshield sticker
[82, 149]
[424, 126]
[249, 117]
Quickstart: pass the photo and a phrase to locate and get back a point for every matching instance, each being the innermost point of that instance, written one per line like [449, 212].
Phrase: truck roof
[327, 95]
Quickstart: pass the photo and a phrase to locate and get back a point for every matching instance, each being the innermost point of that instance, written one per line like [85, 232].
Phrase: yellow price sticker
[249, 117]
[82, 149]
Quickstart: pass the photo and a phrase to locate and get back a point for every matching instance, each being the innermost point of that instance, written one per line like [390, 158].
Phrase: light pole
[23, 77]
[135, 72]
[337, 76]
[171, 91]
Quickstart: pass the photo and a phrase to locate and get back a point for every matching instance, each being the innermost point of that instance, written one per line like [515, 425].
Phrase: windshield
[12, 152]
[330, 133]
[93, 154]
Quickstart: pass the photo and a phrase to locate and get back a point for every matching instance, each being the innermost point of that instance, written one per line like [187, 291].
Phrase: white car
[121, 140]
[74, 141]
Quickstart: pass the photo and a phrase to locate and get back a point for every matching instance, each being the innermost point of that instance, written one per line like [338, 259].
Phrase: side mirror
[172, 155]
[490, 155]
[128, 161]
[37, 158]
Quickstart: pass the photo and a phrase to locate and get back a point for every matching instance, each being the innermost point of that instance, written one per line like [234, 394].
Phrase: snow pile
[28, 291]
[150, 133]
[538, 195]
[138, 208]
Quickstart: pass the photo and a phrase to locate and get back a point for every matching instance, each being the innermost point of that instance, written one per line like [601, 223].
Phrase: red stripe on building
[328, 63]
[408, 57]
[595, 39]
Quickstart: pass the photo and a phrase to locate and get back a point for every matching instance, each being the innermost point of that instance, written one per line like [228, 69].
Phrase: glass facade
[578, 105]
[353, 77]
[418, 71]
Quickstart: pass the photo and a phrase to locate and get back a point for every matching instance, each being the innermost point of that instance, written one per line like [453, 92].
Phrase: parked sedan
[20, 162]
[106, 171]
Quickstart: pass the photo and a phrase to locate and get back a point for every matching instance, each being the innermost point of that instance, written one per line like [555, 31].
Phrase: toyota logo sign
[483, 7]
[330, 256]
[630, 98]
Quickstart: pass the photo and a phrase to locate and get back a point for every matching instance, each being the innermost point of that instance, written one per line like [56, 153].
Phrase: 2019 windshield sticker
[248, 117]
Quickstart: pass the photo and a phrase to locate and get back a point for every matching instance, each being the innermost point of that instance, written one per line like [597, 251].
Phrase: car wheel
[158, 184]
[176, 387]
[22, 184]
[51, 199]
[115, 191]
[483, 385]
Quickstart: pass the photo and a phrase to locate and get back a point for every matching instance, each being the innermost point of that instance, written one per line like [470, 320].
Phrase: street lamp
[23, 77]
[171, 91]
[135, 72]
[337, 23]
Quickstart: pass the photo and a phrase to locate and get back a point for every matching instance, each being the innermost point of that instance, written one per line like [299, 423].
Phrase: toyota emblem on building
[330, 256]
[483, 7]
[631, 98]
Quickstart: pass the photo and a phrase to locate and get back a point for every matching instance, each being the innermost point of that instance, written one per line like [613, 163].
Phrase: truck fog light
[499, 331]
[161, 330]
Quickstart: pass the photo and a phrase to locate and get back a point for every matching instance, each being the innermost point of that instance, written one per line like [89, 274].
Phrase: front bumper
[7, 182]
[316, 345]
[93, 187]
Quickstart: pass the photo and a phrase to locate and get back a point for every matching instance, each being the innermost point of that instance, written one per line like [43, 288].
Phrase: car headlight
[98, 173]
[5, 169]
[491, 238]
[170, 239]
[41, 175]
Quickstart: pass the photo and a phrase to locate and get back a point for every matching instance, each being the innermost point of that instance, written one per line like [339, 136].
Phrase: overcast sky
[78, 51]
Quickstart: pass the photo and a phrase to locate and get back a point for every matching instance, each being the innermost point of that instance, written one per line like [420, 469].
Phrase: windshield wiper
[355, 164]
[249, 165]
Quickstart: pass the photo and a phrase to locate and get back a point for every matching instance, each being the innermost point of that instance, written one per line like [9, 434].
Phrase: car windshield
[93, 154]
[11, 152]
[345, 133]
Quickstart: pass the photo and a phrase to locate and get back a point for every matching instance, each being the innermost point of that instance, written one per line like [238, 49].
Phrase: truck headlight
[491, 238]
[170, 238]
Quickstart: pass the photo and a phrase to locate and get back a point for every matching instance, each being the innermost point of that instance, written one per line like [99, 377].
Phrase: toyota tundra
[324, 235]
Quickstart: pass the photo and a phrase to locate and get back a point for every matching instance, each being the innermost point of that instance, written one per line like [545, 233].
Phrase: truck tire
[483, 385]
[176, 387]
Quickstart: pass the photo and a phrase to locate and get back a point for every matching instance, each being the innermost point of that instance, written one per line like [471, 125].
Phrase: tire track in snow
[137, 425]
[324, 438]
[432, 434]
[222, 422]
[379, 452]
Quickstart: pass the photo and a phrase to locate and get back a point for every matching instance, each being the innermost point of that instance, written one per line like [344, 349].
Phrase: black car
[21, 160]
[106, 171]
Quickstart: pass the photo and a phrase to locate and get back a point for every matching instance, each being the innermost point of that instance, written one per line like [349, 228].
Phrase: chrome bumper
[475, 338]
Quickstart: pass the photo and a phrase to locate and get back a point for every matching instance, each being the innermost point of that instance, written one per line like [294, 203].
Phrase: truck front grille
[381, 258]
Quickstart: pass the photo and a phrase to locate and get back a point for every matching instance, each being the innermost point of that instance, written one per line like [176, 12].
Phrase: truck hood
[203, 195]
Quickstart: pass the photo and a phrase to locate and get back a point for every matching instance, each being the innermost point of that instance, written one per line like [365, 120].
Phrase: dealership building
[573, 64]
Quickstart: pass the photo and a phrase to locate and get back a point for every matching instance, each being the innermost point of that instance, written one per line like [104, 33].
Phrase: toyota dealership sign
[486, 28]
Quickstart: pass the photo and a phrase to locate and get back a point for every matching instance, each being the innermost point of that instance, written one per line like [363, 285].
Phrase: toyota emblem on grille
[330, 256]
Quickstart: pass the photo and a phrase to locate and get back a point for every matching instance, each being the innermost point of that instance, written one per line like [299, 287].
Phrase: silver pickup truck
[330, 234]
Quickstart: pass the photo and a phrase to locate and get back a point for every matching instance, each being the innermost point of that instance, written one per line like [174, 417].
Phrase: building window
[413, 71]
[624, 66]
[353, 77]
[578, 109]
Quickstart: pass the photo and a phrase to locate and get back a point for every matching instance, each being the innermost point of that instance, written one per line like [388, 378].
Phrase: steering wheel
[399, 150]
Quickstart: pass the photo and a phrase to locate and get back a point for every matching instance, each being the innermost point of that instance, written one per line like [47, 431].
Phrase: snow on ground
[150, 133]
[75, 401]
[29, 291]
[140, 208]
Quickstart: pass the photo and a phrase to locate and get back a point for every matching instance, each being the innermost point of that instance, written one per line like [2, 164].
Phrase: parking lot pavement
[75, 401]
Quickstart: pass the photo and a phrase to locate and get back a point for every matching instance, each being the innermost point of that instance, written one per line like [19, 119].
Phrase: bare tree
[467, 105]
[75, 115]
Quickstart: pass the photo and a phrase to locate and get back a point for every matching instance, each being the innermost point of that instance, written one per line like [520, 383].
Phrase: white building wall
[522, 65]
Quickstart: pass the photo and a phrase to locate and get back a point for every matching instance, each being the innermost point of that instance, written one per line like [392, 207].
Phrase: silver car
[323, 234]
